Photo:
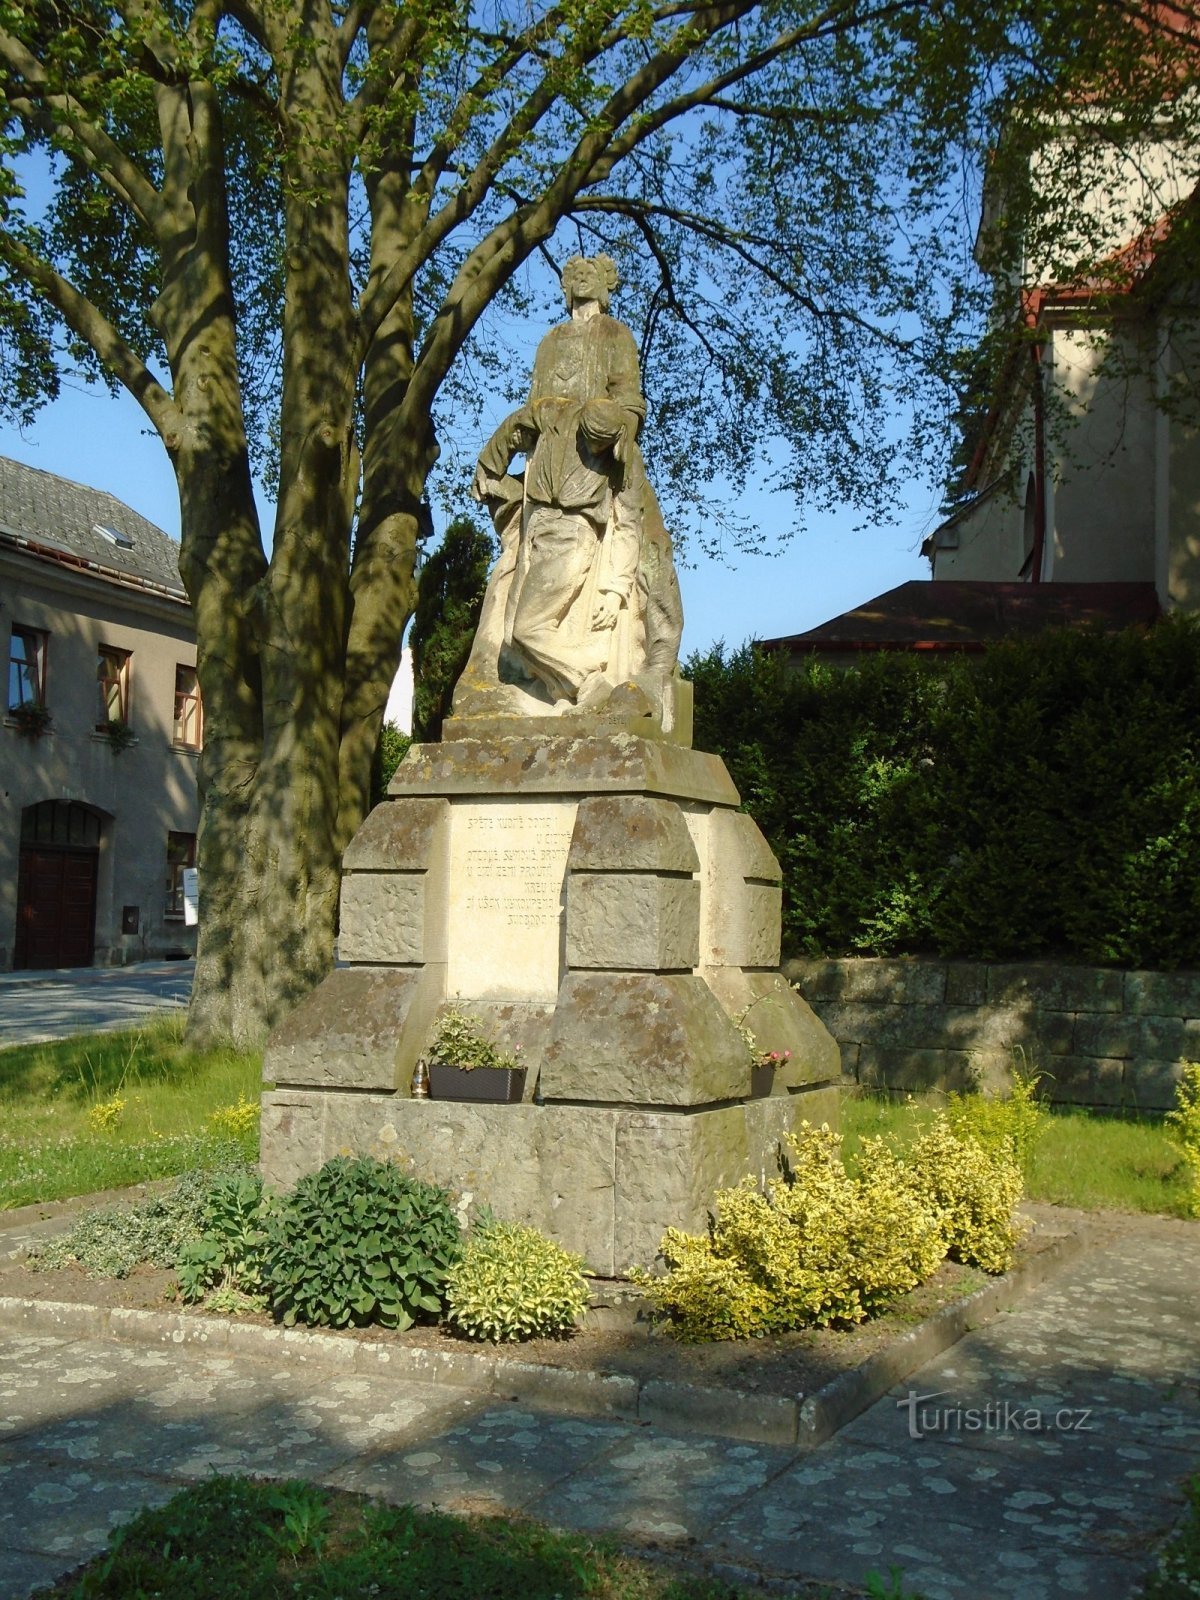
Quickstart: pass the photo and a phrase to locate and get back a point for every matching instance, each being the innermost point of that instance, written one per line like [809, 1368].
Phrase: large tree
[281, 225]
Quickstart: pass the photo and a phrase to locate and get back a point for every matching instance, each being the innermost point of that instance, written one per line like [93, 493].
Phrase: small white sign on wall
[191, 896]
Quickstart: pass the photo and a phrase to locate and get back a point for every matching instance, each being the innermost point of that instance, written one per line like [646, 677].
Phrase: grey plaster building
[101, 729]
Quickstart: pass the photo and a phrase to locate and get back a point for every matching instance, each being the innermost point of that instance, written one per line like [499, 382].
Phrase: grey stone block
[815, 977]
[1150, 1085]
[1167, 994]
[620, 921]
[398, 836]
[292, 1347]
[59, 1317]
[1072, 1080]
[743, 930]
[930, 1027]
[549, 1166]
[631, 833]
[916, 1071]
[1047, 986]
[383, 917]
[345, 1032]
[819, 1103]
[605, 1182]
[871, 979]
[1109, 1082]
[664, 1041]
[742, 899]
[1133, 1037]
[966, 983]
[1038, 1035]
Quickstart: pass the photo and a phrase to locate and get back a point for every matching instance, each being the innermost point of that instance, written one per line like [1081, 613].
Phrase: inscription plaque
[508, 863]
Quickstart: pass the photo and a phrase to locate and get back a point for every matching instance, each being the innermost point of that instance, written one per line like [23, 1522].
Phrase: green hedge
[1041, 798]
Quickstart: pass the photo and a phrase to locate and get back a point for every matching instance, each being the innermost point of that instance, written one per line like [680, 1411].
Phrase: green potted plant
[464, 1064]
[119, 734]
[32, 718]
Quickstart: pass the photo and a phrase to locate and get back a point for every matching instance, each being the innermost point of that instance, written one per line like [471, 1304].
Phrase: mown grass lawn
[101, 1111]
[1091, 1161]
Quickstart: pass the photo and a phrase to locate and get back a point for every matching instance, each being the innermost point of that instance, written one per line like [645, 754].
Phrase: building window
[188, 718]
[112, 677]
[26, 668]
[181, 853]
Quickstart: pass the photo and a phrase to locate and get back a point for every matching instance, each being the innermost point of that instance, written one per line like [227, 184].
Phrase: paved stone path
[35, 1006]
[1106, 1356]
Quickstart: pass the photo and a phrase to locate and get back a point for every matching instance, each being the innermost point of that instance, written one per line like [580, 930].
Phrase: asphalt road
[35, 1006]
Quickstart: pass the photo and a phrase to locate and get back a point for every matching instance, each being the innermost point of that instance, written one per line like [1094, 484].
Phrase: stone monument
[565, 869]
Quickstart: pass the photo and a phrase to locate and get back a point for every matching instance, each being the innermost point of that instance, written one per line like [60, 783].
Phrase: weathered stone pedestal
[600, 901]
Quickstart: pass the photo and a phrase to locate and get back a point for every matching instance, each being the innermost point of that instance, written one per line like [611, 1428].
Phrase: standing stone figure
[584, 596]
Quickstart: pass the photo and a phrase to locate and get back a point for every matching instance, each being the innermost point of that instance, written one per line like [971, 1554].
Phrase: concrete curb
[800, 1421]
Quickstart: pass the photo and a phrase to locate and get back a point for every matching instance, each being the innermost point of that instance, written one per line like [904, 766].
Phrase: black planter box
[497, 1085]
[762, 1080]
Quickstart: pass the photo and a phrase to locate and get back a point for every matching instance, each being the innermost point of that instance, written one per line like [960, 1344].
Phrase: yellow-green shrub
[973, 1190]
[817, 1247]
[1183, 1128]
[511, 1282]
[1011, 1125]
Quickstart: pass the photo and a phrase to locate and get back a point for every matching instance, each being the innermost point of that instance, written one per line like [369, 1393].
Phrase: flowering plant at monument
[459, 1041]
[759, 1056]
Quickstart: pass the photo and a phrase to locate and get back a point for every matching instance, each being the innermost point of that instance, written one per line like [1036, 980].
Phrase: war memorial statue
[584, 597]
[564, 871]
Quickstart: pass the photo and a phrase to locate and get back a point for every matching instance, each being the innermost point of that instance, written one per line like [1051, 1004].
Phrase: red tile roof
[962, 614]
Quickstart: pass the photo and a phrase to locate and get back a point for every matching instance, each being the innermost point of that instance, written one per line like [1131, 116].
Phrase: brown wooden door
[56, 907]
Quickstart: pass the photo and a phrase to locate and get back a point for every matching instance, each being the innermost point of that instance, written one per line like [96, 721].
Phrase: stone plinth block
[739, 843]
[648, 1039]
[399, 836]
[780, 1019]
[662, 1155]
[620, 764]
[604, 1181]
[345, 1033]
[383, 917]
[631, 833]
[624, 920]
[742, 895]
[395, 885]
[597, 902]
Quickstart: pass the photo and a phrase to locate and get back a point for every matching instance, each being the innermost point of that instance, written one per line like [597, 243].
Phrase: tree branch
[46, 109]
[739, 245]
[82, 317]
[576, 170]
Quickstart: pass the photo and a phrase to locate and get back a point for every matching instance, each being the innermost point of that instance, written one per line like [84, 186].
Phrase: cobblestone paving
[947, 1478]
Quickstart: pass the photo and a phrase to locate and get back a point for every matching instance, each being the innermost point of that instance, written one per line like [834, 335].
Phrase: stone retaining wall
[1102, 1037]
